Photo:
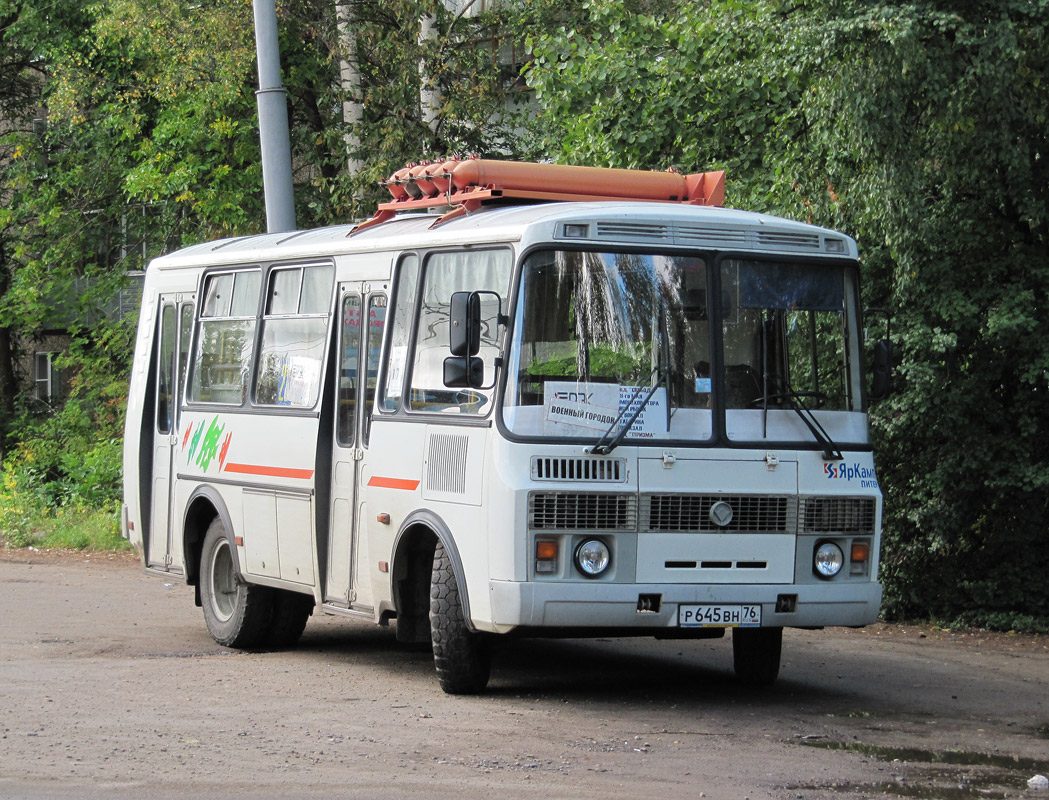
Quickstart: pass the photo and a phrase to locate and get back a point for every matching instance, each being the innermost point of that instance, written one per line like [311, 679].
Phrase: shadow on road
[593, 669]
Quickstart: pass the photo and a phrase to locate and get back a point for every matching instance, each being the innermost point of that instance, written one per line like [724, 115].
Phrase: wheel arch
[411, 567]
[204, 505]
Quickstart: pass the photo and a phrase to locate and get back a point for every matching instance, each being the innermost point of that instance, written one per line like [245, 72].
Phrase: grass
[67, 528]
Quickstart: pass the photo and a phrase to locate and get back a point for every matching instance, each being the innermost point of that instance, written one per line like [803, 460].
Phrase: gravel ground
[112, 688]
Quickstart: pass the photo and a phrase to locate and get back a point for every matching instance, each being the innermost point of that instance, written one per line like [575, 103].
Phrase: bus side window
[486, 271]
[400, 333]
[293, 334]
[225, 337]
[373, 348]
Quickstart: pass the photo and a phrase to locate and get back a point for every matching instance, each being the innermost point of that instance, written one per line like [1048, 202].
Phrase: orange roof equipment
[465, 185]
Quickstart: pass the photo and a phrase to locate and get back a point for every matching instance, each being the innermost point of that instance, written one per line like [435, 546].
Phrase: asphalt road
[110, 687]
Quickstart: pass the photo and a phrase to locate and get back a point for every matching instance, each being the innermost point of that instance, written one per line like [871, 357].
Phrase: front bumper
[615, 606]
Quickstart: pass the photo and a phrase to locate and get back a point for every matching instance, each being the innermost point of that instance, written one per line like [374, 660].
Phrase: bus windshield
[621, 347]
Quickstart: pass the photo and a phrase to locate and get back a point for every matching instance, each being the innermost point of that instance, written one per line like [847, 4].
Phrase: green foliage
[920, 129]
[70, 458]
[962, 212]
[169, 87]
[66, 528]
[1000, 621]
[475, 97]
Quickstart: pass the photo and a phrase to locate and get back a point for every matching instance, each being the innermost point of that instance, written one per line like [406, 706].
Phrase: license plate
[719, 616]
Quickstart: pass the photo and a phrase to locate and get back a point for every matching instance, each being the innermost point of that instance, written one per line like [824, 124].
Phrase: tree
[26, 33]
[921, 130]
[151, 143]
[941, 117]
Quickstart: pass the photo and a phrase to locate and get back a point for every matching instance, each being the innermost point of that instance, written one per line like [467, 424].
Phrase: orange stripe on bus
[394, 483]
[270, 472]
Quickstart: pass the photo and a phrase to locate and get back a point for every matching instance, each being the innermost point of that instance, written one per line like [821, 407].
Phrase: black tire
[756, 653]
[463, 659]
[291, 610]
[237, 614]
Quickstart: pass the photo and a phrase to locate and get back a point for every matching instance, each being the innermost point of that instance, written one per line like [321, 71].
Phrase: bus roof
[609, 224]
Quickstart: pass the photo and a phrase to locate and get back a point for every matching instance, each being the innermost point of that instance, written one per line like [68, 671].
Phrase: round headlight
[829, 559]
[592, 557]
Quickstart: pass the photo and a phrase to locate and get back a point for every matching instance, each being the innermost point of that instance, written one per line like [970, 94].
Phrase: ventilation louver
[838, 515]
[597, 470]
[751, 513]
[580, 511]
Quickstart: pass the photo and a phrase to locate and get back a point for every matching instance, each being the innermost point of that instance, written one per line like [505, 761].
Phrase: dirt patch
[63, 555]
[113, 689]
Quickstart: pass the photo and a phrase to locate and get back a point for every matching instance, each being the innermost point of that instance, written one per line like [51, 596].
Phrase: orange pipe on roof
[395, 184]
[442, 177]
[631, 183]
[424, 180]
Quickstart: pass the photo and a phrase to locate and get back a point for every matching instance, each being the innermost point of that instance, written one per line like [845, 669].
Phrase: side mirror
[464, 372]
[881, 369]
[464, 336]
[881, 382]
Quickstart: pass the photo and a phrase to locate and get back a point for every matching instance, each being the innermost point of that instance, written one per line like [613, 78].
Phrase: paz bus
[521, 400]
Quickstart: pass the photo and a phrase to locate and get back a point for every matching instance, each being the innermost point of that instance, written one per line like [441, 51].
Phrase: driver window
[784, 335]
[446, 273]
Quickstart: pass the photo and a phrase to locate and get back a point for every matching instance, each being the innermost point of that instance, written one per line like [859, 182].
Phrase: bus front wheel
[463, 659]
[756, 653]
[237, 614]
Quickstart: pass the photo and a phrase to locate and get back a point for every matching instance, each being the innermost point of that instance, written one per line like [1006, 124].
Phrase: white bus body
[291, 443]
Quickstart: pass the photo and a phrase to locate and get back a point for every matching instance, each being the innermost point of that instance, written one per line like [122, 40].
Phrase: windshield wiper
[600, 448]
[663, 371]
[831, 451]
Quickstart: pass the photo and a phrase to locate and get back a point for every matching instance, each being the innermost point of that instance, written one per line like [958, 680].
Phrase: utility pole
[273, 123]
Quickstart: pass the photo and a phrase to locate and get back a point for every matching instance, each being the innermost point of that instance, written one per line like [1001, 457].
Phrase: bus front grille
[838, 515]
[582, 511]
[688, 512]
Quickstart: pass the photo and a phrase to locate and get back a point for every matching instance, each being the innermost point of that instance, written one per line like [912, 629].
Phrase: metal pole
[273, 123]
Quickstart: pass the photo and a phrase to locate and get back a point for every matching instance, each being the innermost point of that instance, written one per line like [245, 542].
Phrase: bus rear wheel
[237, 614]
[463, 659]
[756, 654]
[291, 611]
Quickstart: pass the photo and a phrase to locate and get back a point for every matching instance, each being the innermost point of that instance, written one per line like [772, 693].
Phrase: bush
[60, 483]
[74, 528]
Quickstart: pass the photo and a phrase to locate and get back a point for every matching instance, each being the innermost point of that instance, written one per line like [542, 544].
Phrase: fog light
[829, 559]
[592, 557]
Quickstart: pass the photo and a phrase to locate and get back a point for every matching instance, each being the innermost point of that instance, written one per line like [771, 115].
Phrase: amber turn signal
[545, 550]
[860, 551]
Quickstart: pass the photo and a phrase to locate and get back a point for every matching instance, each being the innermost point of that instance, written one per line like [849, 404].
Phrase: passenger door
[173, 331]
[362, 319]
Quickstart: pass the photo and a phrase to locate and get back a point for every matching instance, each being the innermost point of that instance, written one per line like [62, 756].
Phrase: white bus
[605, 416]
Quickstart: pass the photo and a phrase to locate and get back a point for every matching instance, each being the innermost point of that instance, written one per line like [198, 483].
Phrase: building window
[47, 378]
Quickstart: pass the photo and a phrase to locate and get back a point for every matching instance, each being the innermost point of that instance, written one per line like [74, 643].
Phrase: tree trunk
[429, 94]
[8, 387]
[350, 83]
